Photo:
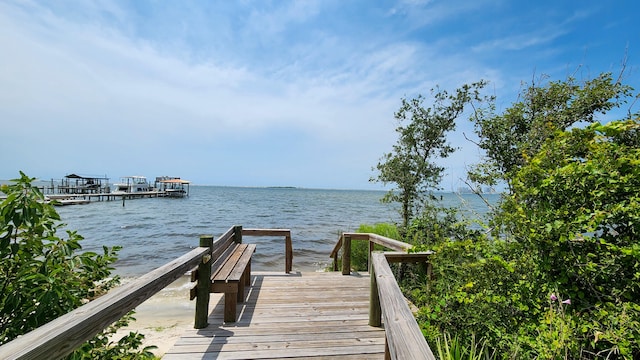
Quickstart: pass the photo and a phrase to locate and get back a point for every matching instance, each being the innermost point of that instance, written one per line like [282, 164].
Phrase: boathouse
[78, 184]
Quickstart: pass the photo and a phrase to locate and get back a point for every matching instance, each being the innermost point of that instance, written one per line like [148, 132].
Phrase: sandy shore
[164, 317]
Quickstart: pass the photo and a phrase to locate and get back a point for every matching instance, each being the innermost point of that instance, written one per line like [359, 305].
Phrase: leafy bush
[576, 209]
[568, 225]
[44, 276]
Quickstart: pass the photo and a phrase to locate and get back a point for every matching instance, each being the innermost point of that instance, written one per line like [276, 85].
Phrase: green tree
[559, 276]
[422, 139]
[44, 276]
[519, 132]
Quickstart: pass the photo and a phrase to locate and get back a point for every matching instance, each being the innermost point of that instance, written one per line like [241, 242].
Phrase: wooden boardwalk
[294, 316]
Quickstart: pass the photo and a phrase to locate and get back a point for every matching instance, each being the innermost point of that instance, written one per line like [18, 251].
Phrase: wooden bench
[230, 273]
[226, 270]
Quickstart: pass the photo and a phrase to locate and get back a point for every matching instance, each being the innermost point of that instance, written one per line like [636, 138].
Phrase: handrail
[404, 339]
[288, 247]
[63, 335]
[345, 241]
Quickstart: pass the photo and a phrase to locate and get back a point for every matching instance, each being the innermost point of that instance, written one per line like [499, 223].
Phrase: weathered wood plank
[314, 315]
[228, 235]
[242, 333]
[220, 257]
[266, 232]
[221, 245]
[338, 352]
[404, 337]
[346, 254]
[225, 270]
[202, 288]
[408, 257]
[243, 262]
[389, 243]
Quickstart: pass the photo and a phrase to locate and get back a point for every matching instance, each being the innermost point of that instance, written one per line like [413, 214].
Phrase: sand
[164, 317]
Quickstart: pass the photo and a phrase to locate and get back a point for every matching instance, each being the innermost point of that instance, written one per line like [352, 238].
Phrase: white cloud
[520, 41]
[108, 76]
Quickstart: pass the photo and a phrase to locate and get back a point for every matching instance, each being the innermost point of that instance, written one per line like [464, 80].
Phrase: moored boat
[131, 184]
[173, 186]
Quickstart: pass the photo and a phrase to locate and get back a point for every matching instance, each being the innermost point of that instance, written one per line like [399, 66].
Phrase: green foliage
[410, 165]
[576, 208]
[451, 349]
[104, 347]
[569, 225]
[42, 275]
[479, 287]
[437, 224]
[519, 132]
[360, 248]
[557, 335]
[382, 229]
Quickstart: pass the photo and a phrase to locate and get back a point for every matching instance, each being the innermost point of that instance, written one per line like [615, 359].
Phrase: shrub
[43, 275]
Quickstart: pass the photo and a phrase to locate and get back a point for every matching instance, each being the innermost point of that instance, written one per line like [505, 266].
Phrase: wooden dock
[294, 316]
[77, 199]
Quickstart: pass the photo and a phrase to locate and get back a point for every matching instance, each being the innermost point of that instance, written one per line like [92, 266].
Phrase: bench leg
[247, 274]
[230, 304]
[245, 280]
[241, 289]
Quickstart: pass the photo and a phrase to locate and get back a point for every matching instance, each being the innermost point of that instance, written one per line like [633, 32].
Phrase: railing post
[335, 253]
[237, 234]
[346, 255]
[204, 284]
[371, 247]
[375, 311]
[288, 254]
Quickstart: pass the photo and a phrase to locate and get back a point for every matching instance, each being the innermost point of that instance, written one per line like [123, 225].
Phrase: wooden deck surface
[300, 315]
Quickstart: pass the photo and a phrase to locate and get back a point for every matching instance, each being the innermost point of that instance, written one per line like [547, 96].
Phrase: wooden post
[288, 254]
[387, 354]
[375, 311]
[335, 253]
[237, 234]
[204, 284]
[371, 247]
[346, 255]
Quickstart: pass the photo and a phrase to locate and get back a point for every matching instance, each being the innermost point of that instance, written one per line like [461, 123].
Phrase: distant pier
[80, 199]
[76, 189]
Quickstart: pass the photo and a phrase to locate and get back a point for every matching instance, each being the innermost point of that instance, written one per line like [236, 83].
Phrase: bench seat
[230, 274]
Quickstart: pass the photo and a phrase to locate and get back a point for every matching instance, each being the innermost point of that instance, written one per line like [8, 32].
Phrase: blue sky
[271, 93]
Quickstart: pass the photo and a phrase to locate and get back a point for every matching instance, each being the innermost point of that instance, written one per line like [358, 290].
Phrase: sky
[273, 93]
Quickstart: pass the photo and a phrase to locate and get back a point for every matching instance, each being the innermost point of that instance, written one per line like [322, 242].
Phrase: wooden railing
[63, 335]
[288, 247]
[344, 242]
[404, 339]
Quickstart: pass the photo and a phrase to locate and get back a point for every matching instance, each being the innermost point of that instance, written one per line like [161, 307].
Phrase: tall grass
[360, 248]
[452, 349]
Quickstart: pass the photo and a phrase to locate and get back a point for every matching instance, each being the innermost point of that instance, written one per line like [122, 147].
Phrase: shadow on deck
[297, 315]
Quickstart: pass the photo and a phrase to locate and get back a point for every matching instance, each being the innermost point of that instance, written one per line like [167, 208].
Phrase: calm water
[155, 231]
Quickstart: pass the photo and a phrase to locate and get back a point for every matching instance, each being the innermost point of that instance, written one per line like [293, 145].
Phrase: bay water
[154, 231]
